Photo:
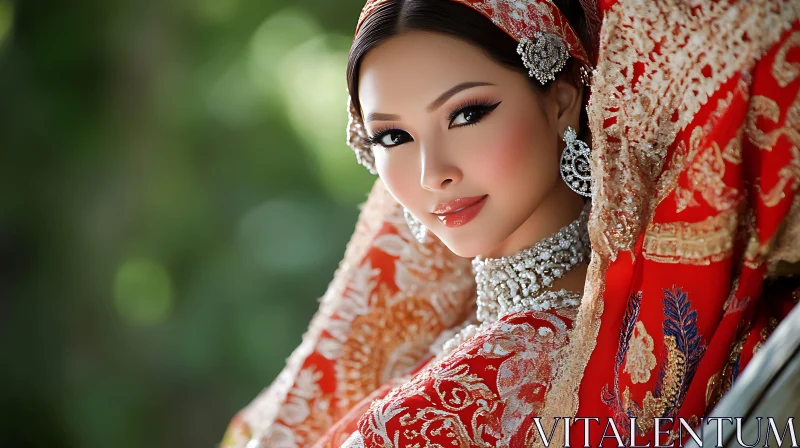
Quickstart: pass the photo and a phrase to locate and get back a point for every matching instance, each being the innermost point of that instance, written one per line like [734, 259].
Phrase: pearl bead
[254, 443]
[501, 281]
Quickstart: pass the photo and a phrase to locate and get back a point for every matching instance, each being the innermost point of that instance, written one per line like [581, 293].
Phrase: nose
[437, 172]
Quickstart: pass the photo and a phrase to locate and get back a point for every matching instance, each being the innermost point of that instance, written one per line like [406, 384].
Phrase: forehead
[418, 66]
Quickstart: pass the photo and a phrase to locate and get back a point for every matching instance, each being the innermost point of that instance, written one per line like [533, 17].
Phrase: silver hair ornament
[357, 138]
[544, 57]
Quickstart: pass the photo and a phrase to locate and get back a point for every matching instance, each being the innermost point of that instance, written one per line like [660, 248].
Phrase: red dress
[695, 120]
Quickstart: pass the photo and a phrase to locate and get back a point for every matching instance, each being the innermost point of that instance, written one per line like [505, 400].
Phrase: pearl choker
[516, 283]
[520, 282]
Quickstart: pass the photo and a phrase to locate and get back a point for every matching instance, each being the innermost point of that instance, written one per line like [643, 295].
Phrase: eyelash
[375, 138]
[486, 106]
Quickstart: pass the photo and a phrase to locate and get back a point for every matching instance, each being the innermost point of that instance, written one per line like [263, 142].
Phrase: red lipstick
[460, 211]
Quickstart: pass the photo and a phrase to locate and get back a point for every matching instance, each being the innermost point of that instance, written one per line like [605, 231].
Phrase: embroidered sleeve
[389, 300]
[485, 393]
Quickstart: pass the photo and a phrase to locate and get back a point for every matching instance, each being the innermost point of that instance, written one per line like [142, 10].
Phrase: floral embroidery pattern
[621, 414]
[783, 70]
[705, 176]
[390, 299]
[481, 394]
[640, 359]
[636, 119]
[654, 107]
[683, 346]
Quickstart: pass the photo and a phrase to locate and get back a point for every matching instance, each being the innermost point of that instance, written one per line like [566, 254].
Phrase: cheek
[400, 175]
[516, 154]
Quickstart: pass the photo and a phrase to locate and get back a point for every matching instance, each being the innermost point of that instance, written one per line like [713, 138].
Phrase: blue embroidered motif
[684, 347]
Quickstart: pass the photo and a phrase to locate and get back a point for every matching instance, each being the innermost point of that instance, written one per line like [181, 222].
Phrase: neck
[528, 278]
[559, 207]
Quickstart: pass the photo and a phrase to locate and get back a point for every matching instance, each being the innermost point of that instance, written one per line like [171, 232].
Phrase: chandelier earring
[575, 168]
[418, 230]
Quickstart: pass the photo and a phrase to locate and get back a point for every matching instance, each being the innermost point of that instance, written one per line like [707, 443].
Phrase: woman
[471, 113]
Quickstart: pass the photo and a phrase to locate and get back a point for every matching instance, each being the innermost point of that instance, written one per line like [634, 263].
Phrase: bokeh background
[175, 195]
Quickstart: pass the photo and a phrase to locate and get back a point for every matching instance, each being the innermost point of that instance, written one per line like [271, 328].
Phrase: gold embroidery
[379, 350]
[722, 381]
[640, 359]
[786, 247]
[681, 156]
[733, 150]
[711, 388]
[634, 146]
[791, 172]
[784, 71]
[756, 251]
[765, 334]
[708, 169]
[653, 406]
[765, 108]
[696, 243]
[447, 399]
[367, 329]
[562, 399]
[705, 176]
[651, 108]
[788, 174]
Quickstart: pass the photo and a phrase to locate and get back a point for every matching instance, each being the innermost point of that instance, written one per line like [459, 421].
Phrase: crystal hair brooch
[544, 57]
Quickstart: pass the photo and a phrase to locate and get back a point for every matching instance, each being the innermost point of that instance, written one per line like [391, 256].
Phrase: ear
[567, 99]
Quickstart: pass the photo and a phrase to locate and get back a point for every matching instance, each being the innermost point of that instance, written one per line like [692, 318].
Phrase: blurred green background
[176, 195]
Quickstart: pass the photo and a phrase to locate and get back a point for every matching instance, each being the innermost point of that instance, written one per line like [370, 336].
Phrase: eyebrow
[435, 104]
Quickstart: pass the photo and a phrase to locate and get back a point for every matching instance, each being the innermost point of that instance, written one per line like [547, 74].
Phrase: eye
[471, 113]
[390, 138]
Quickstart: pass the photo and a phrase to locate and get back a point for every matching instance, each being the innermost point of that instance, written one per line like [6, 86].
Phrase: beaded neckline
[508, 285]
[520, 281]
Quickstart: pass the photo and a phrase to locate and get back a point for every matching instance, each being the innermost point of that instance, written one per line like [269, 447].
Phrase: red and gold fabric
[695, 120]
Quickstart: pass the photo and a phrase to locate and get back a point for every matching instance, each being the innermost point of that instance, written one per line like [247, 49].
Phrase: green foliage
[175, 194]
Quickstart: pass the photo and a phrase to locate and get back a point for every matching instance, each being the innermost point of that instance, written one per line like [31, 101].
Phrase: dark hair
[452, 18]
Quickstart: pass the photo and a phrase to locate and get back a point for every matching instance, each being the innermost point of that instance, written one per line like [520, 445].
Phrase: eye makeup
[479, 108]
[382, 131]
[478, 104]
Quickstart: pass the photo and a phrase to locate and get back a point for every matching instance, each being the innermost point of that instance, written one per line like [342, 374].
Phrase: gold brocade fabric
[390, 299]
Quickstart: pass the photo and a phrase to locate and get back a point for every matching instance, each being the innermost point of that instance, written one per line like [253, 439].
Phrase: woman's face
[452, 128]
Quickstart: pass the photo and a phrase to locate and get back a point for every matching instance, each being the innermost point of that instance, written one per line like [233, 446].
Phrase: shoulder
[481, 393]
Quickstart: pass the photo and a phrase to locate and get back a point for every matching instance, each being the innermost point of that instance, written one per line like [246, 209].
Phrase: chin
[465, 247]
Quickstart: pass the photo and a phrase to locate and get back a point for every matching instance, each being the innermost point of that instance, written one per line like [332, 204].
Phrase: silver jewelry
[544, 57]
[586, 75]
[510, 285]
[357, 138]
[418, 230]
[575, 168]
[544, 301]
[254, 443]
[514, 283]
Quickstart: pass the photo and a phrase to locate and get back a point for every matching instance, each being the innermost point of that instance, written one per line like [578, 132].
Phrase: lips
[460, 211]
